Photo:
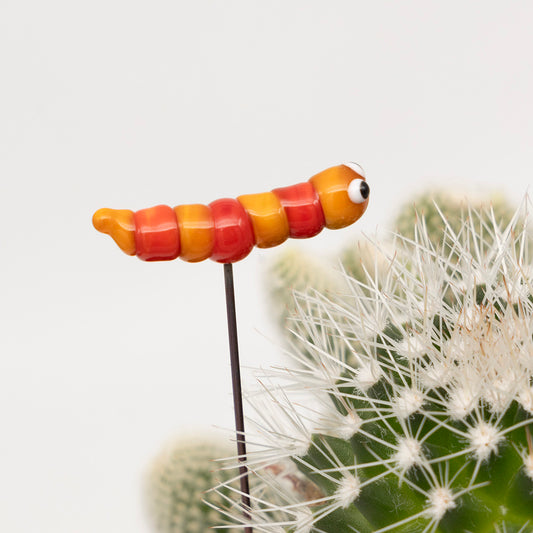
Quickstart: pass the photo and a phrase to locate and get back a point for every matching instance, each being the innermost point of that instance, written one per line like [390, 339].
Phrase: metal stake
[237, 391]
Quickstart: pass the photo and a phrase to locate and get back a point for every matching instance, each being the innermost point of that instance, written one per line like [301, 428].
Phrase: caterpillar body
[226, 230]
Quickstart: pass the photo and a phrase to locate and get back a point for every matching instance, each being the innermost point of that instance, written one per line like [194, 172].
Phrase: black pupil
[365, 189]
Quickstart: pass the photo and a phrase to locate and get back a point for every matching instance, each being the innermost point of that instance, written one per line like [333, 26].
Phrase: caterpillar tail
[119, 224]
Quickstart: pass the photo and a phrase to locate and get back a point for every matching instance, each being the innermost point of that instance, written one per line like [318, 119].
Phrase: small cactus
[436, 206]
[293, 270]
[431, 209]
[412, 408]
[178, 480]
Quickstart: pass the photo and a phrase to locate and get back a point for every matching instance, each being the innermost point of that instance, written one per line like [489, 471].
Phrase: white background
[128, 104]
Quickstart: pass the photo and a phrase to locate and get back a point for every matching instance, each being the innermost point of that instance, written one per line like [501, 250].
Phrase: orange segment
[332, 188]
[197, 232]
[269, 220]
[118, 223]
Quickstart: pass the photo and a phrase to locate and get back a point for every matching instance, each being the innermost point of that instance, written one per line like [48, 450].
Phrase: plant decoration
[227, 230]
[410, 408]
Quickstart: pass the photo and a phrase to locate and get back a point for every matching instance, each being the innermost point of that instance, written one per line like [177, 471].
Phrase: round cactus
[178, 481]
[295, 271]
[438, 209]
[435, 211]
[412, 410]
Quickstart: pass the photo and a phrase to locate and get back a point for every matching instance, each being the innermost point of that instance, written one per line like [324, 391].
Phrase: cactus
[178, 480]
[293, 270]
[431, 208]
[450, 208]
[411, 409]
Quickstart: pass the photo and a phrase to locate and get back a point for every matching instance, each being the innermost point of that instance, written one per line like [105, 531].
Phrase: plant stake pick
[226, 230]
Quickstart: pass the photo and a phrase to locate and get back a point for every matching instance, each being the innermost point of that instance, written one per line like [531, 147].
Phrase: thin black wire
[237, 391]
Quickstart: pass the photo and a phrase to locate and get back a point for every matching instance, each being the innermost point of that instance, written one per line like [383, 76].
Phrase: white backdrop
[132, 103]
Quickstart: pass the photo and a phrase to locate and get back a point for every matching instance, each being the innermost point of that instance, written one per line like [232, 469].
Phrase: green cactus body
[411, 408]
[178, 481]
[294, 271]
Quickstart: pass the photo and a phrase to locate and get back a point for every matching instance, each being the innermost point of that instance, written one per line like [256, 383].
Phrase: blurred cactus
[412, 408]
[450, 212]
[178, 480]
[292, 270]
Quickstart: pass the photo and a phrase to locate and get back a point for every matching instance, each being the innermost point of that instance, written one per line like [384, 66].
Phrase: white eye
[358, 191]
[356, 168]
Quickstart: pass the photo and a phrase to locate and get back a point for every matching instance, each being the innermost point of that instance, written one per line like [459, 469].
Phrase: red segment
[303, 210]
[234, 236]
[156, 233]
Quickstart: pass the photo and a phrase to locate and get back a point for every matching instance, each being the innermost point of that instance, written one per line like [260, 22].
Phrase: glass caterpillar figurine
[226, 230]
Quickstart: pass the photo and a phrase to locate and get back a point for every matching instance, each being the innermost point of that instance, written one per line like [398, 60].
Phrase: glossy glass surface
[156, 233]
[234, 237]
[197, 232]
[226, 230]
[302, 207]
[118, 223]
[269, 220]
[332, 188]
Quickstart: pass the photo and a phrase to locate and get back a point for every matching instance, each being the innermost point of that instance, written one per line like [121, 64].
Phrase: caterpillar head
[343, 193]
